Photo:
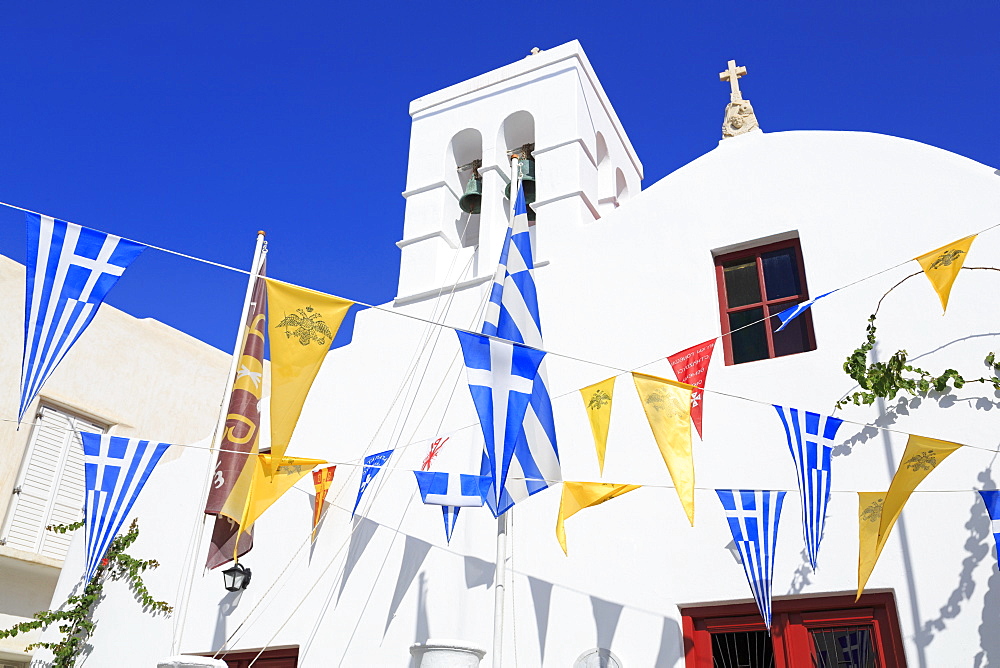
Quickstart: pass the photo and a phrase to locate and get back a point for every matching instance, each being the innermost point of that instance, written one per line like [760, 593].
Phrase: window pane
[742, 282]
[781, 273]
[795, 337]
[845, 647]
[748, 649]
[751, 343]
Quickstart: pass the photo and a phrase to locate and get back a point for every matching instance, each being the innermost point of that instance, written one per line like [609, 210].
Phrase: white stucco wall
[139, 377]
[625, 291]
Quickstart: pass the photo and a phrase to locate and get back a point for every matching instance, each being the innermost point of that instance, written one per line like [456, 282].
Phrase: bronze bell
[472, 200]
[527, 168]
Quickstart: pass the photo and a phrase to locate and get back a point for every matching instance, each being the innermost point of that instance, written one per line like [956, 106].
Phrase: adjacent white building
[625, 278]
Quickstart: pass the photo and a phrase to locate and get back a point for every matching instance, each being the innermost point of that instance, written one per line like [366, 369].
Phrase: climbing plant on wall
[888, 379]
[75, 616]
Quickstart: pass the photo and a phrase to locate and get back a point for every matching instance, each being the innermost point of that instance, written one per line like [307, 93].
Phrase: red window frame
[791, 623]
[769, 306]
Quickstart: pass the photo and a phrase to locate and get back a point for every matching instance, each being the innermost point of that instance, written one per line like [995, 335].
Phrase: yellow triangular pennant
[869, 516]
[942, 265]
[264, 486]
[921, 456]
[668, 408]
[597, 401]
[579, 495]
[301, 325]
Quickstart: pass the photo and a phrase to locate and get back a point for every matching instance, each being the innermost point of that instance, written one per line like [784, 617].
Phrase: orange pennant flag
[322, 480]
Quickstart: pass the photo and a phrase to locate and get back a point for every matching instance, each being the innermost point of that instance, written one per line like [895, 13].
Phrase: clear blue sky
[191, 125]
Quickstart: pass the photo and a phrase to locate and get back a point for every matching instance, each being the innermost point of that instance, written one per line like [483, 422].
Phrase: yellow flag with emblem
[579, 495]
[302, 324]
[269, 477]
[921, 456]
[597, 400]
[941, 266]
[668, 409]
[869, 516]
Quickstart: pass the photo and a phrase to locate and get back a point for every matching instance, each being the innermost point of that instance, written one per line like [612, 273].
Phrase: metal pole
[191, 561]
[501, 565]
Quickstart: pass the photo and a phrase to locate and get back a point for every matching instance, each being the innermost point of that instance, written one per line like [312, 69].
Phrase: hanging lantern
[236, 577]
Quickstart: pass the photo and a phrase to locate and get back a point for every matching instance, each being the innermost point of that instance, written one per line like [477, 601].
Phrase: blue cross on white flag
[500, 375]
[991, 498]
[373, 464]
[810, 440]
[753, 520]
[452, 491]
[115, 470]
[70, 270]
[512, 314]
[793, 312]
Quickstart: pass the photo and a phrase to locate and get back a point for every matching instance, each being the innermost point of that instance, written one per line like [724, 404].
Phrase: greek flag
[753, 520]
[452, 491]
[810, 440]
[512, 313]
[115, 470]
[500, 376]
[373, 464]
[991, 498]
[70, 270]
[793, 312]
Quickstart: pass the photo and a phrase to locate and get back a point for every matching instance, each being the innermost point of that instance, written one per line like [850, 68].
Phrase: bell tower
[551, 110]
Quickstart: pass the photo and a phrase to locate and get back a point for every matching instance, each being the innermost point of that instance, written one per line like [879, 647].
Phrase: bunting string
[459, 329]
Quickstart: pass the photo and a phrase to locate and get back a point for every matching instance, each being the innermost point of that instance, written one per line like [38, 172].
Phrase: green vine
[75, 616]
[887, 379]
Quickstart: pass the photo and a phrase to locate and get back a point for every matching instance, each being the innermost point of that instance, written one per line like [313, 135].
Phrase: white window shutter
[51, 484]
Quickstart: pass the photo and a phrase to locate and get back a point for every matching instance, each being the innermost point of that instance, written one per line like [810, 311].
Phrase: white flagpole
[500, 572]
[190, 566]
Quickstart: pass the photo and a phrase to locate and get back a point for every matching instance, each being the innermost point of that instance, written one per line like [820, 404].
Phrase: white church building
[625, 277]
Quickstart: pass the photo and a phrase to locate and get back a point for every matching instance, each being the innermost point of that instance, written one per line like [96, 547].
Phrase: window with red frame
[755, 284]
[828, 632]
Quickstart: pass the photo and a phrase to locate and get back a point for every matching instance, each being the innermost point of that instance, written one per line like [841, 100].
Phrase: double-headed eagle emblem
[308, 326]
[946, 258]
[598, 400]
[873, 512]
[922, 461]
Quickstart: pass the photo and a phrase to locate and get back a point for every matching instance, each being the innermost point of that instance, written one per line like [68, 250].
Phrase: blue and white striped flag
[452, 491]
[991, 498]
[753, 520]
[512, 313]
[70, 270]
[793, 312]
[500, 376]
[810, 440]
[115, 470]
[373, 464]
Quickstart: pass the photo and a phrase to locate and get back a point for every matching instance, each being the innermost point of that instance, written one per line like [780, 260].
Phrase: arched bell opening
[465, 157]
[517, 136]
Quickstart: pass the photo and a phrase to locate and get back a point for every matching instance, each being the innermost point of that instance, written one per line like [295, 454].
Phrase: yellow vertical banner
[667, 404]
[579, 495]
[869, 517]
[301, 326]
[597, 400]
[941, 266]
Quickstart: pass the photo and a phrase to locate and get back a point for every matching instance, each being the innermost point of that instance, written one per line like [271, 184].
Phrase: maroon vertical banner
[240, 436]
[691, 367]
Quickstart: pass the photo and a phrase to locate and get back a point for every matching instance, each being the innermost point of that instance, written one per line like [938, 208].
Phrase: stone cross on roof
[732, 75]
[740, 118]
